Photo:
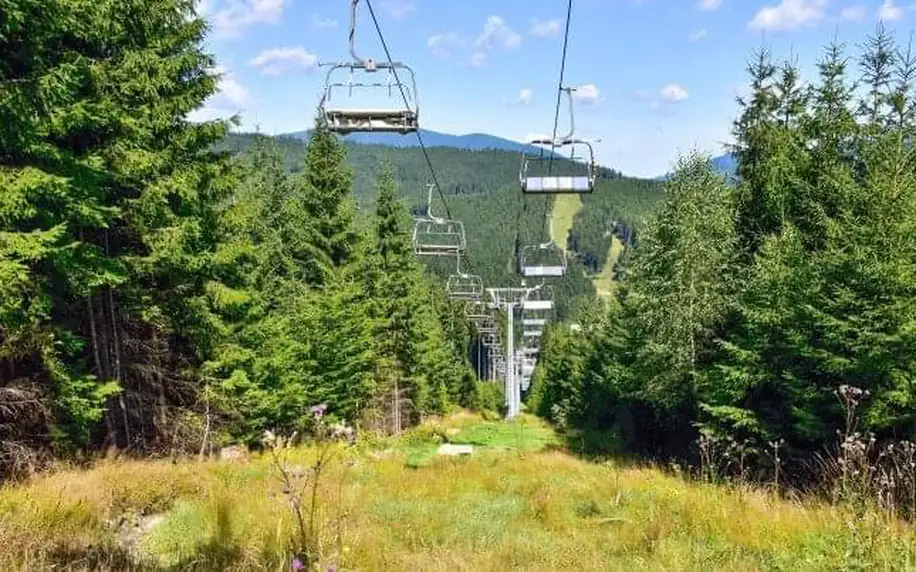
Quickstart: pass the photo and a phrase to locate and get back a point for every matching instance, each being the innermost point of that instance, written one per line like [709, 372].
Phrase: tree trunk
[116, 339]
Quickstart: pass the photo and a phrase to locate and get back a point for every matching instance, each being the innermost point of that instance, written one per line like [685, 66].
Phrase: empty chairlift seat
[359, 110]
[546, 171]
[464, 287]
[543, 260]
[542, 175]
[435, 236]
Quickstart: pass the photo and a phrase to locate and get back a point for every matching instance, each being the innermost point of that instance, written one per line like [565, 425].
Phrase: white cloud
[674, 93]
[525, 96]
[478, 59]
[889, 12]
[852, 13]
[231, 97]
[441, 45]
[322, 22]
[709, 4]
[277, 60]
[203, 7]
[587, 94]
[235, 16]
[789, 15]
[399, 9]
[697, 35]
[545, 29]
[497, 32]
[230, 89]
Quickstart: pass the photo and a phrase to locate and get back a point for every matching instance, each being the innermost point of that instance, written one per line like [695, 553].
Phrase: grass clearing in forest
[604, 280]
[516, 502]
[565, 209]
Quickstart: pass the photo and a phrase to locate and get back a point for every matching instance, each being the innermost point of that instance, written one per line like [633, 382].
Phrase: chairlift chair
[543, 260]
[401, 119]
[487, 326]
[536, 179]
[462, 286]
[437, 236]
[476, 312]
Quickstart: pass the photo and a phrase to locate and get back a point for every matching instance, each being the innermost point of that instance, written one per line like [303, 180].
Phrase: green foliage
[743, 312]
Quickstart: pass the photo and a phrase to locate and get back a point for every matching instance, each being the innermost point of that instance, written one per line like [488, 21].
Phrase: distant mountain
[471, 141]
[726, 165]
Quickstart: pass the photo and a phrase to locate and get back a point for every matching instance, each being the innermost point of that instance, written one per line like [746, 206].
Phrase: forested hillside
[171, 287]
[481, 189]
[162, 297]
[766, 329]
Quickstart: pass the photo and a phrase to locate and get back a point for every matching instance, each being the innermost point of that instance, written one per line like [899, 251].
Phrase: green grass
[565, 209]
[517, 503]
[604, 280]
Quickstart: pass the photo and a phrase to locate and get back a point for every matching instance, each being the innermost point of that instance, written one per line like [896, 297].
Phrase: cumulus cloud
[697, 35]
[545, 29]
[475, 50]
[497, 33]
[852, 13]
[889, 12]
[399, 9]
[709, 4]
[789, 15]
[524, 96]
[674, 93]
[278, 60]
[587, 94]
[322, 22]
[441, 45]
[231, 97]
[232, 17]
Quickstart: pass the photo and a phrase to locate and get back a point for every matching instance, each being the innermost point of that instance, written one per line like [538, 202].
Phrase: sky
[655, 78]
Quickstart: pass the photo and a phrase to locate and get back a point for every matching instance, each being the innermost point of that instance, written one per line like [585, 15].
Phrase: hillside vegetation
[765, 330]
[516, 502]
[481, 190]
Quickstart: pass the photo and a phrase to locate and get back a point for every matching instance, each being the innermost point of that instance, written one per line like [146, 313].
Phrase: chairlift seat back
[536, 271]
[557, 185]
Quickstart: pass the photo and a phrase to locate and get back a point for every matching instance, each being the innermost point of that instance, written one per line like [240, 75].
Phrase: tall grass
[497, 509]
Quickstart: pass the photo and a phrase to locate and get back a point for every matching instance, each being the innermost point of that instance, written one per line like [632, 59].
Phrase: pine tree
[117, 193]
[327, 183]
[680, 281]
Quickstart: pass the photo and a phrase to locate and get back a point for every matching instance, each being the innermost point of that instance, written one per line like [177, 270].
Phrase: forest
[766, 330]
[171, 287]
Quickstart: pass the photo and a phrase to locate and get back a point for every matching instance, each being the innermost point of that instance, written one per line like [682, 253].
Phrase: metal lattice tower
[510, 300]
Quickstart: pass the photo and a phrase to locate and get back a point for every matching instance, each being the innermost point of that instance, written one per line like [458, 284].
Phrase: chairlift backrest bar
[536, 271]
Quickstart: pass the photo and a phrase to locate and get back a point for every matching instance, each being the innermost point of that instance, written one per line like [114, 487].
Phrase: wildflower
[318, 410]
[297, 564]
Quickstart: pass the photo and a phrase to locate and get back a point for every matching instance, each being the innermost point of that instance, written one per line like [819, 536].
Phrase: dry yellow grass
[502, 508]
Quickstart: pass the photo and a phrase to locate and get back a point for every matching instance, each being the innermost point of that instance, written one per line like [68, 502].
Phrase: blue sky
[657, 77]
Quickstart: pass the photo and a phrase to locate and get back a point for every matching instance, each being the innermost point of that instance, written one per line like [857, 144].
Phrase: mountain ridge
[723, 164]
[469, 141]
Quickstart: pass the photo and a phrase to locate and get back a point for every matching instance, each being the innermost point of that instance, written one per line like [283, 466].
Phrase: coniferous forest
[169, 287]
[770, 323]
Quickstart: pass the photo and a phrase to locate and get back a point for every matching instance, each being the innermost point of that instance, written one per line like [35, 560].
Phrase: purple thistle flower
[297, 564]
[318, 410]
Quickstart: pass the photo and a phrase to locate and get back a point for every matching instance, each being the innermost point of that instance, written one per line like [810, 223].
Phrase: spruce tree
[117, 194]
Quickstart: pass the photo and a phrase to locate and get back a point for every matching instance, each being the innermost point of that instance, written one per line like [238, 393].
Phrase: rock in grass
[452, 449]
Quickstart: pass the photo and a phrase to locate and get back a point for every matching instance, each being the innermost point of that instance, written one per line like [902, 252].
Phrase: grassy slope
[515, 503]
[604, 280]
[565, 209]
